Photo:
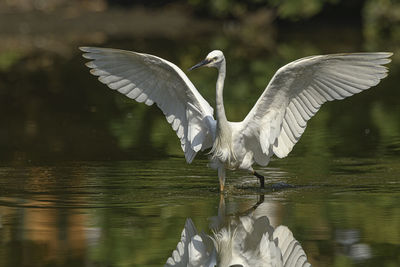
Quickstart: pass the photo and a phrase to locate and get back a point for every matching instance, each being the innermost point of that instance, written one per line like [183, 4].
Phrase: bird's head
[213, 59]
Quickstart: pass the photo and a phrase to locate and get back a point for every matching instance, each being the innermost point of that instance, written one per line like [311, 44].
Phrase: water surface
[131, 213]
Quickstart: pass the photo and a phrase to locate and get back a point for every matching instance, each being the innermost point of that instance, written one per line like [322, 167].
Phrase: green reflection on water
[131, 213]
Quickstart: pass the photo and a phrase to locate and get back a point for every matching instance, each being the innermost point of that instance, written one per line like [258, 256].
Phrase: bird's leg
[221, 177]
[253, 208]
[260, 177]
[221, 185]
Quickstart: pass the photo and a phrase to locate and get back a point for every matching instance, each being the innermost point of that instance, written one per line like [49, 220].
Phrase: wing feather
[292, 252]
[180, 256]
[150, 79]
[297, 91]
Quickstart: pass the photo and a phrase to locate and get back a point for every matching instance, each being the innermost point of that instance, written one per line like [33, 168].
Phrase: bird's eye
[214, 58]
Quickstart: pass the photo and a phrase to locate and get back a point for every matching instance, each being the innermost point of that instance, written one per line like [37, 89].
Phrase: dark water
[89, 178]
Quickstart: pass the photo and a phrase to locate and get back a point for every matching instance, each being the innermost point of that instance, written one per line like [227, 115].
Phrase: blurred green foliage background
[51, 105]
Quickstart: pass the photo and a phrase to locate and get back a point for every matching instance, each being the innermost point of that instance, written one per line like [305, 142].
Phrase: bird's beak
[198, 65]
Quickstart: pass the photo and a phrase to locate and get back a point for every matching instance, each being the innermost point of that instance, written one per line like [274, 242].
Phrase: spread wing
[296, 93]
[292, 252]
[151, 79]
[193, 250]
[180, 256]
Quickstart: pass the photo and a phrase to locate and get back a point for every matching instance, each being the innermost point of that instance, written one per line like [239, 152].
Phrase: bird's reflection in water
[242, 241]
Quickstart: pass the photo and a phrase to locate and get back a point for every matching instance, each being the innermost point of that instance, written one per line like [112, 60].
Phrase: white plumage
[272, 127]
[249, 241]
[193, 250]
[150, 79]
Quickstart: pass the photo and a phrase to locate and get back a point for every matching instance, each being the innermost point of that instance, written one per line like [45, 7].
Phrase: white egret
[272, 127]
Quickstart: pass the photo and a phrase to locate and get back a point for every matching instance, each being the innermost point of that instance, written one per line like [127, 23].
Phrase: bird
[239, 241]
[273, 125]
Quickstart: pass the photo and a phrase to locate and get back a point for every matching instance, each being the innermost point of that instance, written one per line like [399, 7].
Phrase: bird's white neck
[220, 109]
[222, 149]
